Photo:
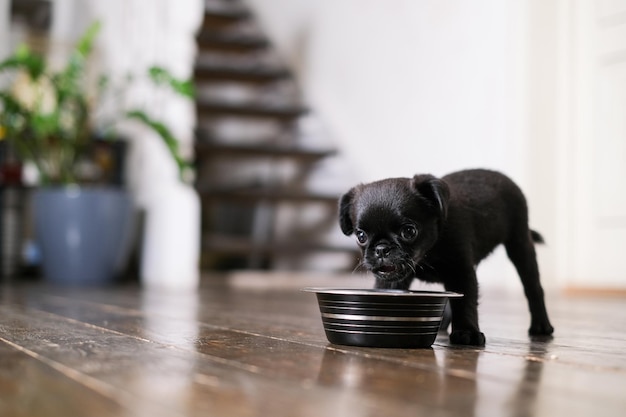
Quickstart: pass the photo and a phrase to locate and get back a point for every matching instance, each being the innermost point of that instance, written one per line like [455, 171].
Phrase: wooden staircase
[253, 166]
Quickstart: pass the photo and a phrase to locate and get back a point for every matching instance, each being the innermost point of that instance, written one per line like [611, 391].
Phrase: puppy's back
[482, 188]
[487, 205]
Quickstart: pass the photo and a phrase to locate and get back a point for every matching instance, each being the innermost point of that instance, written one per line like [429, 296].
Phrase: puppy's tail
[536, 237]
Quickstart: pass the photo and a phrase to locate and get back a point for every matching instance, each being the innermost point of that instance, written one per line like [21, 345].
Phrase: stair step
[223, 244]
[213, 108]
[214, 42]
[261, 150]
[235, 54]
[204, 73]
[215, 17]
[271, 194]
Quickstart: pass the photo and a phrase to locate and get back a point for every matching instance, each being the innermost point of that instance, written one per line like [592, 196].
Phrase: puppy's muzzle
[382, 251]
[385, 263]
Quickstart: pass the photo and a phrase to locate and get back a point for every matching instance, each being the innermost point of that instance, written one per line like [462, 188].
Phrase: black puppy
[438, 230]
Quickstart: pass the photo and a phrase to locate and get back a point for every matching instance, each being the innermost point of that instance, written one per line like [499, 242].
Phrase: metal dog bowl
[381, 318]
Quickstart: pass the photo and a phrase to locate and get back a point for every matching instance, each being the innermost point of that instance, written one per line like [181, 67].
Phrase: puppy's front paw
[541, 329]
[467, 337]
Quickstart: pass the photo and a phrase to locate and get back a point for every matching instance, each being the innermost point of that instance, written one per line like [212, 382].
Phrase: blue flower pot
[85, 234]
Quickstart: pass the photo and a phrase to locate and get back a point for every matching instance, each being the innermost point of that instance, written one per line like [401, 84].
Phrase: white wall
[133, 38]
[420, 87]
[415, 87]
[430, 86]
[534, 88]
[4, 28]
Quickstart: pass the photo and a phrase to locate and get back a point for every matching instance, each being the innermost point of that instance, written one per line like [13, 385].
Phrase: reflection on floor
[238, 348]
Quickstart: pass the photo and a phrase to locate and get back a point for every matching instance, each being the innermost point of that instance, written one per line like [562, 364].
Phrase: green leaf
[69, 82]
[161, 76]
[45, 125]
[165, 134]
[12, 116]
[85, 43]
[56, 140]
[25, 59]
[10, 104]
[103, 82]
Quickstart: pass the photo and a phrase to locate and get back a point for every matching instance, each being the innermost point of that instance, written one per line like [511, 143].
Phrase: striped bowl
[381, 318]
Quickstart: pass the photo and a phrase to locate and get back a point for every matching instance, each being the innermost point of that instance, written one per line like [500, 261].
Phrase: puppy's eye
[361, 237]
[408, 232]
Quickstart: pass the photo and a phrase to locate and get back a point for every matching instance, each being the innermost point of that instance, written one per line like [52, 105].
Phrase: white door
[592, 145]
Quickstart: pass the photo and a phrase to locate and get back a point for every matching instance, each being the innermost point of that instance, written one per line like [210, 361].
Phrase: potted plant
[83, 219]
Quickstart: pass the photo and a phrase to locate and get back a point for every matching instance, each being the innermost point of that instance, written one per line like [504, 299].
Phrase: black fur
[459, 220]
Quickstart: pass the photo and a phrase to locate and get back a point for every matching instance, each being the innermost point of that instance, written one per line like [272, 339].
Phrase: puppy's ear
[434, 190]
[345, 207]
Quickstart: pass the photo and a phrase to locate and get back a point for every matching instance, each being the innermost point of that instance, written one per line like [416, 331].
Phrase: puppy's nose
[381, 250]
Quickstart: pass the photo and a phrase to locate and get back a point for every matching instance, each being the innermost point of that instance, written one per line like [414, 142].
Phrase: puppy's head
[396, 221]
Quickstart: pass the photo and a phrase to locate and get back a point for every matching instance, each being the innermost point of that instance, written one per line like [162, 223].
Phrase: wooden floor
[252, 347]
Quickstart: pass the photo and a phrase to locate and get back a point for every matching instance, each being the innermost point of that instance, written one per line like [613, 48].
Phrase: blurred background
[297, 101]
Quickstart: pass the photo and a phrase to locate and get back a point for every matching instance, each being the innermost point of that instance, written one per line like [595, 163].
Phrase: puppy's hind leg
[521, 251]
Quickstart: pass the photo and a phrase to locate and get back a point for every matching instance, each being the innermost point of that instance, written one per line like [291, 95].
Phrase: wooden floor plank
[294, 316]
[30, 387]
[171, 382]
[236, 351]
[276, 358]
